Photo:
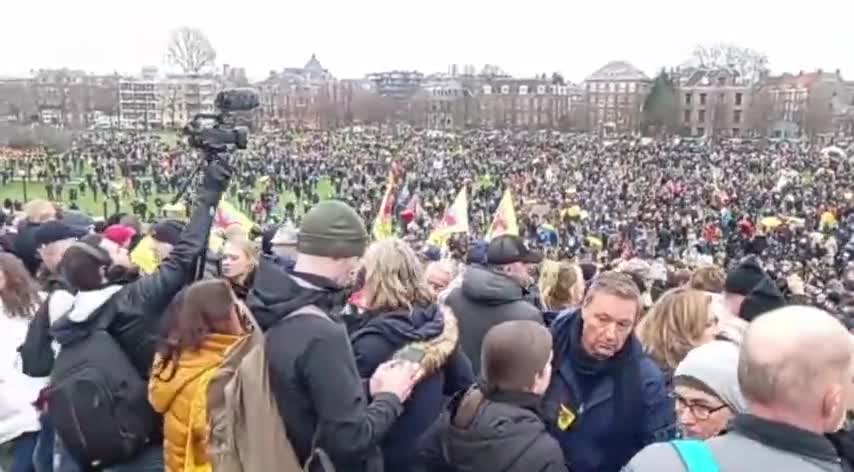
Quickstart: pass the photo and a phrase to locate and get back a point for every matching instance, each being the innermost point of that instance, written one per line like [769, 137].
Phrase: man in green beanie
[320, 396]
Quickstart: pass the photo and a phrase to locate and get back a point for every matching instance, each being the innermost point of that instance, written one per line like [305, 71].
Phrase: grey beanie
[716, 365]
[332, 229]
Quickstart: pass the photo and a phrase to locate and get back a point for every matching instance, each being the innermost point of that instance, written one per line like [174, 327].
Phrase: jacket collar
[784, 437]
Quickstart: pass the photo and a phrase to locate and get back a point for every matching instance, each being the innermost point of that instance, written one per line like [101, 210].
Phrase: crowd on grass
[665, 305]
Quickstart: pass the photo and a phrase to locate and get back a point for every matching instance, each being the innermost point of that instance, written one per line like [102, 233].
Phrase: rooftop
[618, 70]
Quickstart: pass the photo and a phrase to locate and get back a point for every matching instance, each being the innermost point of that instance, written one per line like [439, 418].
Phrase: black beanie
[332, 229]
[167, 231]
[763, 298]
[744, 278]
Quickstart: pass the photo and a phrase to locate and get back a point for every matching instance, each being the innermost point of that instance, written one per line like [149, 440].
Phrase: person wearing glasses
[706, 390]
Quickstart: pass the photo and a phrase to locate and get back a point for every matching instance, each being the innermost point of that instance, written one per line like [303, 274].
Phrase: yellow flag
[382, 228]
[143, 255]
[455, 220]
[504, 221]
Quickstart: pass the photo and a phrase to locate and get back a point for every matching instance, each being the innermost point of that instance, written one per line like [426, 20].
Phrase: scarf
[622, 368]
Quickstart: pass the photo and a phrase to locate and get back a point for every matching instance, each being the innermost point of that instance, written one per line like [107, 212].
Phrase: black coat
[313, 376]
[485, 299]
[375, 341]
[138, 306]
[499, 432]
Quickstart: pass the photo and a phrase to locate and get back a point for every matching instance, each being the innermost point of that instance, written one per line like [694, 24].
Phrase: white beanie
[715, 364]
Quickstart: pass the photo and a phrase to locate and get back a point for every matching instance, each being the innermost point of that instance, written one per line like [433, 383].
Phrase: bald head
[793, 360]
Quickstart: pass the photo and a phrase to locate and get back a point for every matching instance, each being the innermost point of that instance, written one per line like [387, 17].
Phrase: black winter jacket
[313, 374]
[138, 306]
[485, 299]
[500, 432]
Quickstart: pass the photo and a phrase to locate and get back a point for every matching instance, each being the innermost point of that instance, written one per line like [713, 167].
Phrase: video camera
[224, 131]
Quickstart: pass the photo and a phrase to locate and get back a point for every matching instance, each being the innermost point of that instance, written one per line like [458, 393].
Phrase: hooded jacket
[500, 431]
[180, 395]
[313, 375]
[487, 298]
[377, 339]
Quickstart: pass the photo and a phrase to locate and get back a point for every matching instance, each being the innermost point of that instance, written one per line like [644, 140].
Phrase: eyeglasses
[698, 410]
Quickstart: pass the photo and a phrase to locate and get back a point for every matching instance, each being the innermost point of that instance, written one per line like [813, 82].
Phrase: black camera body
[224, 132]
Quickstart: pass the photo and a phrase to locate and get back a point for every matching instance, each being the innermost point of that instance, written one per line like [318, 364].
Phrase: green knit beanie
[332, 229]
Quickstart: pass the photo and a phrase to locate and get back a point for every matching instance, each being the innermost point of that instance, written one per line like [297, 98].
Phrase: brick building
[712, 102]
[813, 105]
[614, 96]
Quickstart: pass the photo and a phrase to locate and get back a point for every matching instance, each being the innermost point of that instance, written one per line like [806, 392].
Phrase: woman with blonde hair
[402, 320]
[680, 320]
[561, 285]
[239, 260]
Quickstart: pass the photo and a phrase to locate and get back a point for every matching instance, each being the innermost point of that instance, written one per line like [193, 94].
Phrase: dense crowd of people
[665, 305]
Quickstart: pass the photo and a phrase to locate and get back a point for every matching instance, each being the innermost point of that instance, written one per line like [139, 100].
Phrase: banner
[455, 220]
[504, 221]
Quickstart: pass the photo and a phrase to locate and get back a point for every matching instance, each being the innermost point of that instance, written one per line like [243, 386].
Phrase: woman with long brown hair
[202, 323]
[19, 419]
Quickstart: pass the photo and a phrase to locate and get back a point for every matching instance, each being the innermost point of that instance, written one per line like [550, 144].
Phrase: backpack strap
[311, 310]
[696, 455]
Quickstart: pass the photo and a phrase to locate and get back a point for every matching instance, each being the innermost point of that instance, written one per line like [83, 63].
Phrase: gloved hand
[217, 176]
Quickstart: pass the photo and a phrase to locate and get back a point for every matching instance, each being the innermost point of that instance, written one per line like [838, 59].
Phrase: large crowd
[669, 305]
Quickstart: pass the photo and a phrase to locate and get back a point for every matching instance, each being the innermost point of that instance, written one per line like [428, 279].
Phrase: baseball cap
[56, 230]
[508, 249]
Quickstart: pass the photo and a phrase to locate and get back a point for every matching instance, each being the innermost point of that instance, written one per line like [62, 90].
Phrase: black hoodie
[487, 298]
[499, 431]
[313, 373]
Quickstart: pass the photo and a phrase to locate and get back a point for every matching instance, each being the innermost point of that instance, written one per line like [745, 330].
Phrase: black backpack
[97, 400]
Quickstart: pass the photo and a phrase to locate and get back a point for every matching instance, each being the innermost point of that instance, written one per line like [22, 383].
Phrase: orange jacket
[181, 397]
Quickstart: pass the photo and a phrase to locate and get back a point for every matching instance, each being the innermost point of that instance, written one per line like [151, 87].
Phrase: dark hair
[513, 353]
[198, 310]
[115, 274]
[20, 295]
[84, 265]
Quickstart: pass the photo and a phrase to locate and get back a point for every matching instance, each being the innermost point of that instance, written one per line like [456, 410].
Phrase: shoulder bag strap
[696, 456]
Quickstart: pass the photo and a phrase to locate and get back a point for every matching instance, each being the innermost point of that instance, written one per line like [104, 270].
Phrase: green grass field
[15, 191]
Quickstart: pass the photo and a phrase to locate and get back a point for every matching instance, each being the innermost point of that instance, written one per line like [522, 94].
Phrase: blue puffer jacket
[594, 441]
[376, 339]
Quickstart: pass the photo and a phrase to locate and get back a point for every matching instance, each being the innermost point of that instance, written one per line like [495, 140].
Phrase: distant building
[294, 96]
[812, 104]
[614, 97]
[397, 84]
[139, 101]
[523, 103]
[712, 102]
[441, 103]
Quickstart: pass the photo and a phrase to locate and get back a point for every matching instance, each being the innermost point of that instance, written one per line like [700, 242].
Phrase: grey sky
[354, 37]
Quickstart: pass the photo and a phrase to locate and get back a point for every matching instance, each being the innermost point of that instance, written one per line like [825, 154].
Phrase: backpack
[97, 400]
[696, 456]
[246, 429]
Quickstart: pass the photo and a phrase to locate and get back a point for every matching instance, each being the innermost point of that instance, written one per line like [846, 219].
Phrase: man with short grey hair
[795, 371]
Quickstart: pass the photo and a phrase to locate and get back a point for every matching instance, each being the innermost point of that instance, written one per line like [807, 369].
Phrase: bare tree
[761, 113]
[190, 50]
[749, 63]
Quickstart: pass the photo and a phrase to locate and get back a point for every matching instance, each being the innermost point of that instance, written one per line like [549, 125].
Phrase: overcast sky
[353, 37]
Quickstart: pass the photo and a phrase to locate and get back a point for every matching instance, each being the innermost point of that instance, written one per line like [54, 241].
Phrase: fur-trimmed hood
[432, 329]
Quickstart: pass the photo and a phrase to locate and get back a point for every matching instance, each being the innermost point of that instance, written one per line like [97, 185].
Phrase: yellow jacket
[182, 400]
